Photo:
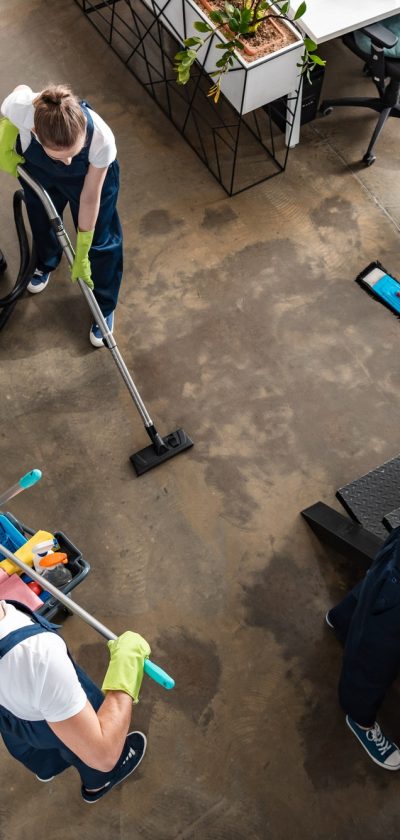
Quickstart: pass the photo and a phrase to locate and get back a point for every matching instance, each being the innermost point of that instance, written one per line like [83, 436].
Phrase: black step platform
[373, 500]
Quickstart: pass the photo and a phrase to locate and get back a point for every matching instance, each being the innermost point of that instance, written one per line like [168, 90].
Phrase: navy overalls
[33, 742]
[64, 185]
[367, 621]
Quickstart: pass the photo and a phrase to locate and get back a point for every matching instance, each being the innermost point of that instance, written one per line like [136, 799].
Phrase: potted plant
[249, 47]
[253, 36]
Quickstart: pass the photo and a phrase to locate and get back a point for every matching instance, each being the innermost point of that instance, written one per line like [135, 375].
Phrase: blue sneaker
[382, 751]
[38, 281]
[95, 335]
[134, 750]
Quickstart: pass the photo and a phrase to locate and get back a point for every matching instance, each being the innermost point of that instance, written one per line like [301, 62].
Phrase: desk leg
[293, 116]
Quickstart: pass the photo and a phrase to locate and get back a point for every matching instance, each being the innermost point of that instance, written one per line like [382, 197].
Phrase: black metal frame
[235, 147]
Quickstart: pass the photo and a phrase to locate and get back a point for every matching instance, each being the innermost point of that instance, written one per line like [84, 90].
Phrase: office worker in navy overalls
[37, 674]
[71, 152]
[367, 622]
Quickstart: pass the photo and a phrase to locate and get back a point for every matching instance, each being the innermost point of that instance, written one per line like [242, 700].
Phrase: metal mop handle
[152, 670]
[65, 242]
[26, 481]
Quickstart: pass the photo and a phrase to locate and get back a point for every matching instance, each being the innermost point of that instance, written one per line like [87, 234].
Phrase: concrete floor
[241, 321]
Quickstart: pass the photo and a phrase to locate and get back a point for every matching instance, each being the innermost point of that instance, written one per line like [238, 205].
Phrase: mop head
[381, 285]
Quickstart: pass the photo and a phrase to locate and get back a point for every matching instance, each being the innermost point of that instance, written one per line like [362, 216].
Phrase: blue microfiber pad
[382, 285]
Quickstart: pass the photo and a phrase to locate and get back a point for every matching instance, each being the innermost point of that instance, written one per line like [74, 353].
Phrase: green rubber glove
[9, 158]
[81, 265]
[125, 671]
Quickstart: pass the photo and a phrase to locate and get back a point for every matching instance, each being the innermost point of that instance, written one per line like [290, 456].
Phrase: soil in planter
[272, 35]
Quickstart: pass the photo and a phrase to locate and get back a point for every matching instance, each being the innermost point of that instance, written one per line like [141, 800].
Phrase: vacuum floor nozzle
[148, 458]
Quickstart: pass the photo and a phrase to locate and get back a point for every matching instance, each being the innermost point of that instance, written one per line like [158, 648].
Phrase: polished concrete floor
[241, 322]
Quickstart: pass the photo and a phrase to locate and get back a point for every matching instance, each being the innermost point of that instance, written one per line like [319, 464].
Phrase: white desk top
[327, 19]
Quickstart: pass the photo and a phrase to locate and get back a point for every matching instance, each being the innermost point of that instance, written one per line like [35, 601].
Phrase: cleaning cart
[14, 534]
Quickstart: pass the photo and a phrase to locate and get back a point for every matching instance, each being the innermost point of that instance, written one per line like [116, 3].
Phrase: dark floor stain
[196, 670]
[335, 212]
[216, 217]
[158, 222]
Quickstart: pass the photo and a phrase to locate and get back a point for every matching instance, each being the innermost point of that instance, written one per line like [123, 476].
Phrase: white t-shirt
[37, 678]
[18, 107]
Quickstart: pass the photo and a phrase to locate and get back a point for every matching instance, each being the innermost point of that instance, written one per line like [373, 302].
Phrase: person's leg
[45, 763]
[106, 257]
[370, 666]
[339, 617]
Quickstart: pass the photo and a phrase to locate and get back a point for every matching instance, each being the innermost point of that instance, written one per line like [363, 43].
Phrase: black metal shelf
[240, 150]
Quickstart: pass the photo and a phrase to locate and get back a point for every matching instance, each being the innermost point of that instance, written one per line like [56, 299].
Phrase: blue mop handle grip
[29, 479]
[158, 675]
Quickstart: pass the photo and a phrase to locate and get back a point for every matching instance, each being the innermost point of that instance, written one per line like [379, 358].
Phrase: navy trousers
[367, 622]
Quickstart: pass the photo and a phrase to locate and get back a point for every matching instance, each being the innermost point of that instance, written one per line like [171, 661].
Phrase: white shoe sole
[98, 342]
[35, 290]
[44, 780]
[128, 774]
[329, 623]
[384, 766]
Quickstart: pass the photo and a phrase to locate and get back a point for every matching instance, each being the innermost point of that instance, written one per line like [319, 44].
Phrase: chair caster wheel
[325, 110]
[369, 159]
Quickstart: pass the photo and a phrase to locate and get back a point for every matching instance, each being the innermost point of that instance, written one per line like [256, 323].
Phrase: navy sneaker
[382, 751]
[95, 335]
[135, 748]
[38, 281]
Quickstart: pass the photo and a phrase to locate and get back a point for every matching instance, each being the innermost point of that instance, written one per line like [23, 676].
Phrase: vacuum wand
[26, 481]
[161, 449]
[152, 670]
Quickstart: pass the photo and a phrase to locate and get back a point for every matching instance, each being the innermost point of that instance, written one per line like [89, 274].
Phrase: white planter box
[247, 85]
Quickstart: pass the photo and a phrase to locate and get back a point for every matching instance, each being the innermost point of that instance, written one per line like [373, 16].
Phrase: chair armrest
[380, 36]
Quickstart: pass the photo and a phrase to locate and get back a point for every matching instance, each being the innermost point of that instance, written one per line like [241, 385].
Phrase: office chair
[379, 47]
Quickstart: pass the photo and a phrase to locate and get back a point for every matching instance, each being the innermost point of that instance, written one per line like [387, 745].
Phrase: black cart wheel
[325, 110]
[369, 159]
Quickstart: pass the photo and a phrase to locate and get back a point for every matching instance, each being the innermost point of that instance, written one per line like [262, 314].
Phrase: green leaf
[191, 42]
[202, 27]
[317, 60]
[300, 11]
[285, 8]
[246, 15]
[233, 25]
[217, 17]
[180, 55]
[221, 46]
[221, 62]
[238, 45]
[230, 10]
[310, 45]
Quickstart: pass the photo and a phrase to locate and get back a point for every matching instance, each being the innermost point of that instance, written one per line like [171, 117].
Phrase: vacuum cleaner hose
[27, 261]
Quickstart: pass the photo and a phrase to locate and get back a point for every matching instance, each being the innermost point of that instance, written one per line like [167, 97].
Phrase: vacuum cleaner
[161, 448]
[381, 285]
